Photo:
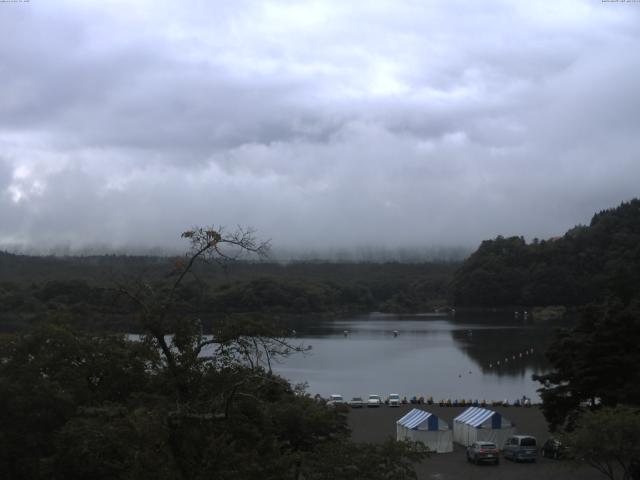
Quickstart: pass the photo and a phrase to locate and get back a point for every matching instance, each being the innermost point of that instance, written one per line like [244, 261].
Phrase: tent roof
[474, 416]
[414, 418]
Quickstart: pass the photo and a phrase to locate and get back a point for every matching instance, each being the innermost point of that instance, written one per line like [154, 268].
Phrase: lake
[437, 355]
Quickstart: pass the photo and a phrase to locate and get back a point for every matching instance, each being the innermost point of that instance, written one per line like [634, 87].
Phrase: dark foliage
[608, 440]
[77, 405]
[86, 289]
[587, 264]
[595, 363]
[174, 403]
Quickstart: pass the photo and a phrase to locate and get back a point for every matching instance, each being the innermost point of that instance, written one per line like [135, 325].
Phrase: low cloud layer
[321, 124]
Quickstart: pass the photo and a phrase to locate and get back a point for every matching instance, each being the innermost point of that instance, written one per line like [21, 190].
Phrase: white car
[374, 401]
[394, 400]
[335, 399]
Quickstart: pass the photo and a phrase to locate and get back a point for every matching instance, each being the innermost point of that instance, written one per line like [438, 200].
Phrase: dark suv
[483, 452]
[552, 448]
[521, 447]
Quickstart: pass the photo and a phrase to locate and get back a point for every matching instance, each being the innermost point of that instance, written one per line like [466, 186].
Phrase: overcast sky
[329, 123]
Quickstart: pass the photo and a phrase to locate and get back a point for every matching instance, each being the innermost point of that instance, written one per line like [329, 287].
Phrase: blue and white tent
[480, 424]
[425, 427]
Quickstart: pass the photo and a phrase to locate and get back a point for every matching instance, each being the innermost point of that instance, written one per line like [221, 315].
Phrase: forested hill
[587, 264]
[86, 288]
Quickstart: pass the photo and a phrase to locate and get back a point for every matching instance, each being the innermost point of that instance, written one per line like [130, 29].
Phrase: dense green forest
[587, 264]
[87, 289]
[80, 404]
[76, 402]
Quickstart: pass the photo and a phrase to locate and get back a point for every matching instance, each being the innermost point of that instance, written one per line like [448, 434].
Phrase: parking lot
[376, 424]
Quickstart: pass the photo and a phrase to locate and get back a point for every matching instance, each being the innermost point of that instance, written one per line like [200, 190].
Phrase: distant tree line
[86, 289]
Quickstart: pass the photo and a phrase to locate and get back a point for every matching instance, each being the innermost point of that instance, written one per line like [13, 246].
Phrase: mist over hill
[277, 254]
[371, 254]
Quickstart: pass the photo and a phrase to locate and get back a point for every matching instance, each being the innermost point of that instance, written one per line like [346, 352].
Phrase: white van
[394, 400]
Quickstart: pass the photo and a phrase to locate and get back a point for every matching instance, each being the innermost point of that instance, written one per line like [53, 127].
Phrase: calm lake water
[442, 356]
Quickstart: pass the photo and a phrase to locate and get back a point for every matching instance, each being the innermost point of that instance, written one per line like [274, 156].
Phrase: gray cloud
[321, 124]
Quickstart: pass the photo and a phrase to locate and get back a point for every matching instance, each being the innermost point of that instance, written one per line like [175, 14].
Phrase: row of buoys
[524, 402]
[528, 351]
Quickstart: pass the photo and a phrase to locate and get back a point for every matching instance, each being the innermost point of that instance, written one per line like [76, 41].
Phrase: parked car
[335, 399]
[394, 400]
[553, 448]
[356, 402]
[520, 448]
[483, 452]
[374, 401]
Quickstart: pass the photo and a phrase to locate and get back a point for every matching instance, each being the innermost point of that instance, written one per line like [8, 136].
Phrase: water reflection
[505, 351]
[431, 355]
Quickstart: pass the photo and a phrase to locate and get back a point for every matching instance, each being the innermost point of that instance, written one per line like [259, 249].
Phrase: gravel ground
[376, 424]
